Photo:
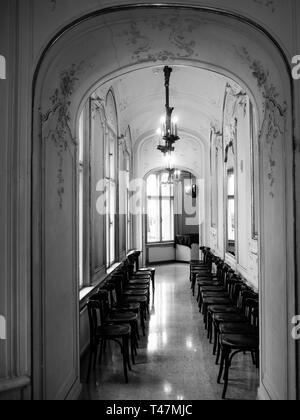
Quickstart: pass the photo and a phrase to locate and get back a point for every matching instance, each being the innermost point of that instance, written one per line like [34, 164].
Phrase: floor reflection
[175, 360]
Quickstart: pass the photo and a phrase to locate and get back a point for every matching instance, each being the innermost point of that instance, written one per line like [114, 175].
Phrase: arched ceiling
[196, 94]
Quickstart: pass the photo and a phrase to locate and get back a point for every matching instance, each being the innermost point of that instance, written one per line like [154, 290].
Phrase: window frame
[160, 198]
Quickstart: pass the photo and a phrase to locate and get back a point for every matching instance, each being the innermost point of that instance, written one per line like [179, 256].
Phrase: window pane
[153, 220]
[80, 227]
[231, 184]
[152, 186]
[167, 220]
[112, 212]
[80, 142]
[231, 220]
[167, 189]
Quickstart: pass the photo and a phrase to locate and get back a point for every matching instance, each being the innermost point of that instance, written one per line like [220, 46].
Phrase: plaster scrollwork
[98, 108]
[55, 122]
[275, 112]
[235, 97]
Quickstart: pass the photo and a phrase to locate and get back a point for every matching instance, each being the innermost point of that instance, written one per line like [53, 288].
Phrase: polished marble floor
[175, 360]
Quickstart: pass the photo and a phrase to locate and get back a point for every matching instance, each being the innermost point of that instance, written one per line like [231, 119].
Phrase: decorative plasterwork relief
[56, 120]
[53, 4]
[235, 98]
[181, 38]
[270, 4]
[275, 112]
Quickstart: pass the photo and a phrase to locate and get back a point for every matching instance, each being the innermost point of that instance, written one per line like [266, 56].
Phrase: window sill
[160, 244]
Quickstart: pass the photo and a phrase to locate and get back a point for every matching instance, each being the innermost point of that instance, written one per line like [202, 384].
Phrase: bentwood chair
[100, 334]
[113, 316]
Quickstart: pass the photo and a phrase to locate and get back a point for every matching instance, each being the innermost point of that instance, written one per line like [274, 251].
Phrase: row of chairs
[230, 310]
[117, 311]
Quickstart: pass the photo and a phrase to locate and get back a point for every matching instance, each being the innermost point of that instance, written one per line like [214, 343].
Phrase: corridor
[175, 360]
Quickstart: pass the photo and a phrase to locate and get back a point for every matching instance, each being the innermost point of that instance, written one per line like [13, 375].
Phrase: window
[255, 174]
[128, 209]
[111, 200]
[231, 212]
[80, 199]
[2, 67]
[160, 208]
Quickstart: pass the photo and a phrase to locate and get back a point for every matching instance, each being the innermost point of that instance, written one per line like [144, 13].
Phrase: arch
[190, 36]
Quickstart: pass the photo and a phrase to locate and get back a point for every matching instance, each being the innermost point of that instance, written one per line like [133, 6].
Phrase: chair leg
[257, 359]
[221, 366]
[218, 351]
[226, 374]
[92, 350]
[127, 352]
[133, 349]
[124, 359]
[142, 321]
[215, 338]
[101, 352]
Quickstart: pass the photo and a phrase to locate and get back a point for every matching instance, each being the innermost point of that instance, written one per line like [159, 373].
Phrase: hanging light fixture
[169, 131]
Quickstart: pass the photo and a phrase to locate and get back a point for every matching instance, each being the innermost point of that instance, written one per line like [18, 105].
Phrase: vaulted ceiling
[196, 94]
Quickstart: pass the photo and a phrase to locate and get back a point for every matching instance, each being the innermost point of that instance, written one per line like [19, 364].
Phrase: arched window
[2, 67]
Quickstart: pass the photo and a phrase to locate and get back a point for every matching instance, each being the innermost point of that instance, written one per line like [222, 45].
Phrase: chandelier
[169, 130]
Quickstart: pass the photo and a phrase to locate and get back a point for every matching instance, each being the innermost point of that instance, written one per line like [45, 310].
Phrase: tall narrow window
[160, 208]
[255, 173]
[111, 201]
[2, 67]
[231, 212]
[128, 209]
[80, 199]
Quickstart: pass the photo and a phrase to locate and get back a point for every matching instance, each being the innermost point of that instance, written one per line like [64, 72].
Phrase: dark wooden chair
[111, 315]
[231, 345]
[100, 334]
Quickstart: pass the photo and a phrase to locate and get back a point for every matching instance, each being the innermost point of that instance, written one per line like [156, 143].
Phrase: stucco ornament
[270, 4]
[56, 121]
[275, 112]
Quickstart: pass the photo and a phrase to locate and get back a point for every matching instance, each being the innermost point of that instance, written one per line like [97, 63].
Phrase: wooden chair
[100, 334]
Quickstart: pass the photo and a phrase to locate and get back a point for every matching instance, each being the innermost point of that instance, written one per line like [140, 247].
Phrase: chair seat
[136, 292]
[217, 301]
[136, 287]
[113, 331]
[238, 328]
[228, 317]
[239, 341]
[135, 299]
[151, 269]
[122, 317]
[130, 307]
[211, 289]
[216, 293]
[223, 309]
[144, 282]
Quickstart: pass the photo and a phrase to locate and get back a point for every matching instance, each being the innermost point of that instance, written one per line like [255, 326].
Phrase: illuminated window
[160, 208]
[231, 212]
[111, 200]
[81, 199]
[2, 67]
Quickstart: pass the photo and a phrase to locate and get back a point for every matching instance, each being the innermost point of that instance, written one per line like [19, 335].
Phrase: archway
[102, 47]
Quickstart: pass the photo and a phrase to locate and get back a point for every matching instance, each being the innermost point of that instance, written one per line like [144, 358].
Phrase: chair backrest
[102, 296]
[252, 311]
[94, 312]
